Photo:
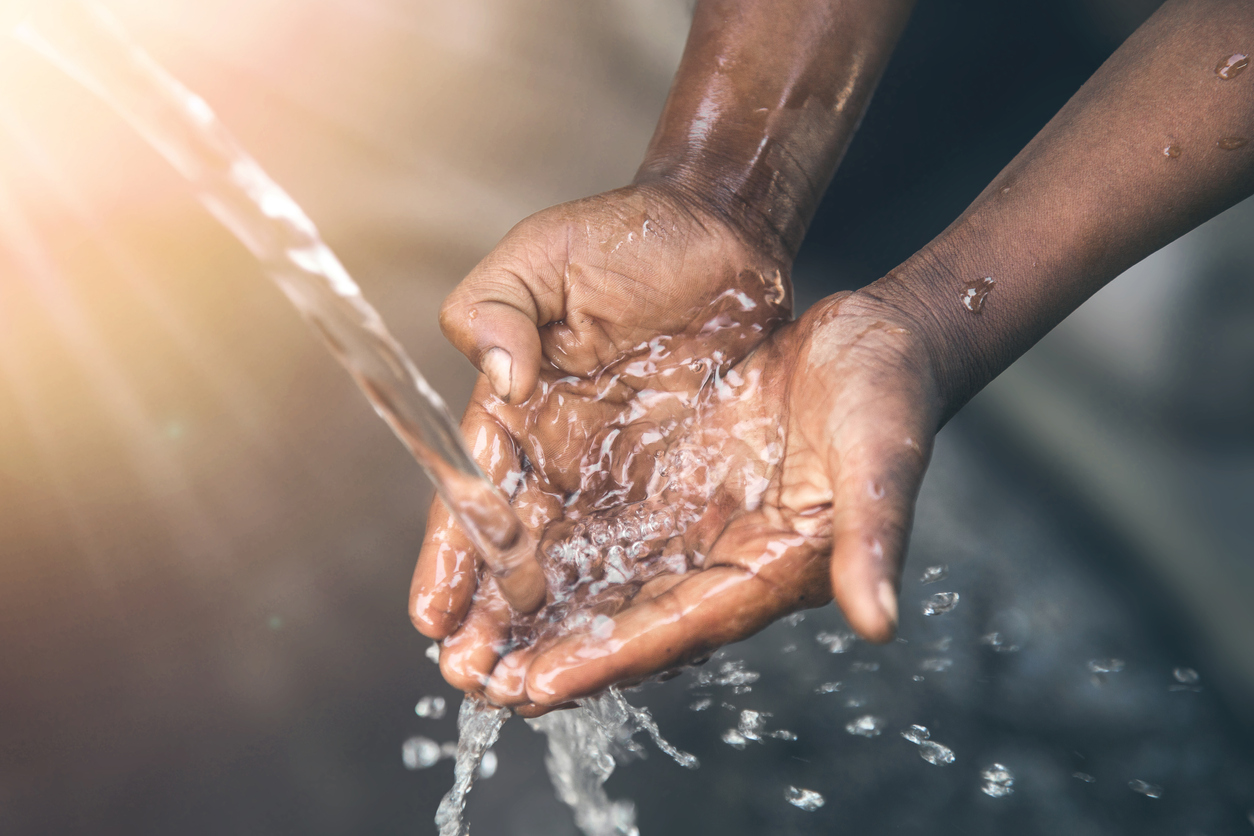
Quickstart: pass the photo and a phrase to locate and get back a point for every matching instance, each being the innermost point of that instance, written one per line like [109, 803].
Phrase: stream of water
[87, 43]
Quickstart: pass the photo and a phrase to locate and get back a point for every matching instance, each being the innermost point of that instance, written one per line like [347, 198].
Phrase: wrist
[769, 218]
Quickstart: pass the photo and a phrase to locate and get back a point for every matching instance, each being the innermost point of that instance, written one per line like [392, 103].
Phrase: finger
[468, 656]
[877, 469]
[706, 610]
[445, 576]
[493, 315]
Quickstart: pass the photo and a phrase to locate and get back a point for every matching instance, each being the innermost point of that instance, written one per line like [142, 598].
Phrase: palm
[748, 498]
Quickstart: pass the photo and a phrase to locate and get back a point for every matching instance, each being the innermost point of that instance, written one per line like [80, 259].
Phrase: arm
[1153, 145]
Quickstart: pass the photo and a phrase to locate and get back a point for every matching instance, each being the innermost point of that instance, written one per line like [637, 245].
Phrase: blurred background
[206, 536]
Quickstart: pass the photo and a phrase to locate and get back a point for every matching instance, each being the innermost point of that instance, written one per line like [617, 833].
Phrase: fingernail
[498, 365]
[888, 601]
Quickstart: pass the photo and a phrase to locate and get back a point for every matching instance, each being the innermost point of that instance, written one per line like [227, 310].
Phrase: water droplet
[752, 725]
[1231, 143]
[998, 643]
[917, 678]
[1172, 151]
[794, 619]
[935, 753]
[433, 652]
[941, 602]
[975, 292]
[836, 642]
[1145, 788]
[1106, 665]
[487, 767]
[807, 800]
[1085, 777]
[829, 687]
[734, 739]
[866, 726]
[782, 734]
[874, 489]
[916, 734]
[932, 574]
[420, 752]
[701, 704]
[855, 702]
[864, 667]
[430, 707]
[997, 781]
[1232, 66]
[937, 665]
[1186, 676]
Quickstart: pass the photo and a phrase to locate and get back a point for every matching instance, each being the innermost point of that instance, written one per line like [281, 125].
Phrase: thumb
[493, 318]
[876, 482]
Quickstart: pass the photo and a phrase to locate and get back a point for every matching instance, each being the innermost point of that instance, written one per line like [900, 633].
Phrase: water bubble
[734, 738]
[836, 642]
[932, 574]
[998, 643]
[1085, 777]
[1106, 665]
[807, 800]
[487, 766]
[866, 726]
[864, 667]
[433, 652]
[1172, 151]
[829, 687]
[794, 619]
[941, 602]
[975, 292]
[938, 665]
[997, 781]
[430, 707]
[701, 704]
[935, 753]
[1185, 676]
[1231, 143]
[1232, 66]
[1145, 788]
[916, 734]
[420, 752]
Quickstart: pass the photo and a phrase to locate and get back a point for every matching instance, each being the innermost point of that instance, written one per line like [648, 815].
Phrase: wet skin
[837, 411]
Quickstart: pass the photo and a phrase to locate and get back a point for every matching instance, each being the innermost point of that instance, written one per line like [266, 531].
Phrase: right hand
[567, 292]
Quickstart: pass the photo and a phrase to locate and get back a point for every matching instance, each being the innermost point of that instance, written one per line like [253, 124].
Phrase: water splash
[585, 745]
[807, 800]
[89, 45]
[1145, 788]
[478, 725]
[997, 781]
[432, 708]
[941, 602]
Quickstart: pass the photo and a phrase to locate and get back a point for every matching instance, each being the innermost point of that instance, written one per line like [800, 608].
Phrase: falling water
[85, 42]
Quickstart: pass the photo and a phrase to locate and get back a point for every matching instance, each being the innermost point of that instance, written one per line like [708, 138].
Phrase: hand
[793, 479]
[567, 293]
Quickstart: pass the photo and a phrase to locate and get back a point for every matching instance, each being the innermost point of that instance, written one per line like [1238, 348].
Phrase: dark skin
[855, 390]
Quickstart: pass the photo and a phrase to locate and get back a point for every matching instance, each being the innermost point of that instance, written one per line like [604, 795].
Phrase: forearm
[766, 99]
[1153, 145]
